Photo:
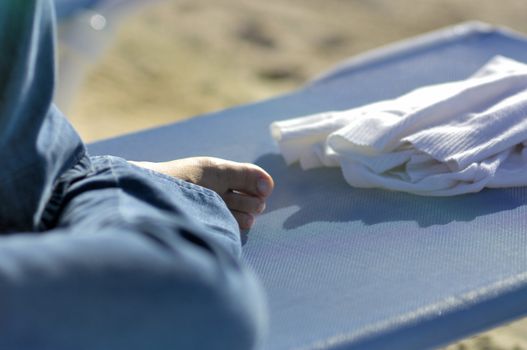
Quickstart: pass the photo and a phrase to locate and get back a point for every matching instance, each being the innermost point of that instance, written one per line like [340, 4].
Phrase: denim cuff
[201, 205]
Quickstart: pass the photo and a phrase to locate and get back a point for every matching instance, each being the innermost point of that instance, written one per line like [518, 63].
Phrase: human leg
[129, 258]
[128, 267]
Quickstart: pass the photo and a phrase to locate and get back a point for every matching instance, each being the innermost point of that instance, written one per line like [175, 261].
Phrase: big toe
[250, 179]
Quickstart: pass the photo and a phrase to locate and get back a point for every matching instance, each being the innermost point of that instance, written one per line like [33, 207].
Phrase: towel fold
[438, 140]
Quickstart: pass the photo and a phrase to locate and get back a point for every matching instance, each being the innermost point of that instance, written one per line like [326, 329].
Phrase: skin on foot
[243, 186]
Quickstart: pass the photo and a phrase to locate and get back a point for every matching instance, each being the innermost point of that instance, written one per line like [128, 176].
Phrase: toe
[250, 179]
[244, 203]
[245, 220]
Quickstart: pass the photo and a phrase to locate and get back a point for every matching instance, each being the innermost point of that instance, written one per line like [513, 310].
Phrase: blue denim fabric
[96, 253]
[36, 143]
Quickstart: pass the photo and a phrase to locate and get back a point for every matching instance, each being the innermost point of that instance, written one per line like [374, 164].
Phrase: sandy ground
[186, 57]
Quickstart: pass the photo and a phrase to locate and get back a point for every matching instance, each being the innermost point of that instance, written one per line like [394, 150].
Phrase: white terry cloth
[439, 140]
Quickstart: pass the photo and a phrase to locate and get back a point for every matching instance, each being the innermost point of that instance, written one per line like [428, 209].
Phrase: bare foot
[243, 186]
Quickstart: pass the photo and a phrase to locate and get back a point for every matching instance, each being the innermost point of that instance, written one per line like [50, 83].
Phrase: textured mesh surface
[348, 268]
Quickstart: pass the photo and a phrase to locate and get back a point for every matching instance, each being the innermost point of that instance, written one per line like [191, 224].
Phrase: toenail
[263, 186]
[261, 207]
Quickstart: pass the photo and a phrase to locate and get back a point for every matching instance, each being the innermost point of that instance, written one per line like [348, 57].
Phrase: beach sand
[187, 57]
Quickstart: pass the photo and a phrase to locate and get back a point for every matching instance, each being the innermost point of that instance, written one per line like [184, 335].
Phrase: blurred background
[168, 60]
[178, 58]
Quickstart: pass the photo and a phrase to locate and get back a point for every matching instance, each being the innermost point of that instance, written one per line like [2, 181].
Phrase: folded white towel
[438, 140]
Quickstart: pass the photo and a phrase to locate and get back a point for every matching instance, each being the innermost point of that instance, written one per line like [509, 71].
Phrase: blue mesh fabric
[345, 268]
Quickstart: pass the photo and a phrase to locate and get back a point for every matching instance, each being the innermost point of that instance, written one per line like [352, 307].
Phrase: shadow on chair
[322, 195]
